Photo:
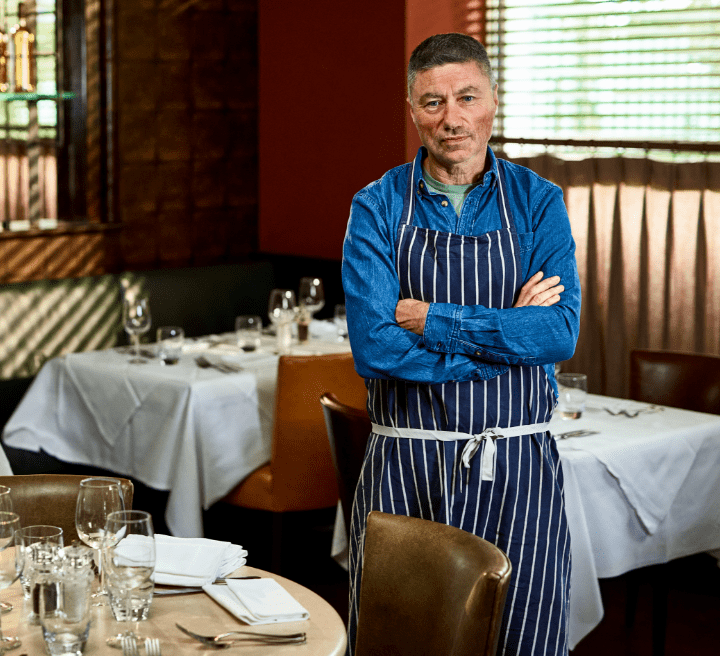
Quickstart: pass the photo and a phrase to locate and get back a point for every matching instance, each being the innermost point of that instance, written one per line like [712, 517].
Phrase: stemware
[129, 547]
[282, 310]
[11, 564]
[311, 299]
[136, 319]
[6, 504]
[98, 497]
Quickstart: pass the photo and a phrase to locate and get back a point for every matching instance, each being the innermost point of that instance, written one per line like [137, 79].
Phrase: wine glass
[129, 547]
[11, 564]
[6, 504]
[98, 497]
[282, 310]
[136, 319]
[311, 299]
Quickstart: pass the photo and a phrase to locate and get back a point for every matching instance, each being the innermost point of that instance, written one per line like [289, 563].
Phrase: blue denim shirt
[460, 342]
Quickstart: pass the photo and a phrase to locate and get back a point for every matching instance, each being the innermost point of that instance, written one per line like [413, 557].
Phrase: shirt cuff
[441, 327]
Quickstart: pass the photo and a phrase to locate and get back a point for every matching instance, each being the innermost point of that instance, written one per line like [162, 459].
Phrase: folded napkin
[194, 561]
[258, 601]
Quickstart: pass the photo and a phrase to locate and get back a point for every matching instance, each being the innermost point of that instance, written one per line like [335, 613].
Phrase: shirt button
[444, 203]
[422, 184]
[477, 352]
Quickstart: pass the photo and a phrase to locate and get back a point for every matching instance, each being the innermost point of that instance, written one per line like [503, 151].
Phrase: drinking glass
[11, 563]
[248, 329]
[136, 319]
[170, 342]
[340, 321]
[41, 546]
[98, 497]
[282, 309]
[573, 393]
[129, 547]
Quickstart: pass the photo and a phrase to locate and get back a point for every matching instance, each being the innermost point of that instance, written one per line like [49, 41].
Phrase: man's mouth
[455, 139]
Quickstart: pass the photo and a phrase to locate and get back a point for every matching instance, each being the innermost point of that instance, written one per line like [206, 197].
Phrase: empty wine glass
[98, 497]
[136, 319]
[311, 299]
[282, 310]
[6, 503]
[11, 564]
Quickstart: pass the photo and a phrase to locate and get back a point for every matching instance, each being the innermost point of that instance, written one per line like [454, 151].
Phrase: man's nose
[452, 117]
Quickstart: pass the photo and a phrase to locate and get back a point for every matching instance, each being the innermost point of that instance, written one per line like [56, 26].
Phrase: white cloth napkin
[194, 561]
[258, 601]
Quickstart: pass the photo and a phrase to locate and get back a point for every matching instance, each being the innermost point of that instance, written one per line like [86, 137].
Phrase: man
[462, 292]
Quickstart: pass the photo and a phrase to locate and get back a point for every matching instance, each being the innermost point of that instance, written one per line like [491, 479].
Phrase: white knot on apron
[489, 435]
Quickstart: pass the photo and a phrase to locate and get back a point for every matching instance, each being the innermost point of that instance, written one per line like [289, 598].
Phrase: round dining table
[197, 612]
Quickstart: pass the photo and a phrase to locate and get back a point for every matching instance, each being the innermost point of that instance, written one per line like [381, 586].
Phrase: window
[575, 75]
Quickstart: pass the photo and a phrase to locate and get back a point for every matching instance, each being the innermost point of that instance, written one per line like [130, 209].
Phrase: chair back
[429, 588]
[348, 430]
[303, 476]
[681, 380]
[51, 499]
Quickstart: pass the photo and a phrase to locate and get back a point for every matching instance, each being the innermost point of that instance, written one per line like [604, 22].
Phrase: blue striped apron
[434, 452]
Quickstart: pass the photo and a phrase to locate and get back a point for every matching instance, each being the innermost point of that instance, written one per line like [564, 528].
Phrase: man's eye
[468, 98]
[432, 103]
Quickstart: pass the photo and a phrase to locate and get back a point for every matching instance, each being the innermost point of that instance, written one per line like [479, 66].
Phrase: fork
[224, 640]
[152, 646]
[225, 368]
[129, 646]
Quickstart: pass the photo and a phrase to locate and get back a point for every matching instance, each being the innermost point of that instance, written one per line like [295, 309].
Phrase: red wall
[331, 115]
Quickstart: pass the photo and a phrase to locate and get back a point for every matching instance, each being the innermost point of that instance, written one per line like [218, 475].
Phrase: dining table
[641, 487]
[194, 429]
[325, 631]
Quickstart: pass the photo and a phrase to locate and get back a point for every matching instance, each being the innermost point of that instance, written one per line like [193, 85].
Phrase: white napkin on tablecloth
[194, 561]
[258, 601]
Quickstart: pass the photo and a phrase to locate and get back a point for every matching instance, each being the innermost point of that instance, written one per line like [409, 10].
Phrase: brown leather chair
[681, 380]
[348, 430]
[300, 474]
[51, 499]
[429, 588]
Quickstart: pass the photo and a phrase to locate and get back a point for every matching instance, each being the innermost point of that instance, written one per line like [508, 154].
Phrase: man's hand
[537, 291]
[410, 314]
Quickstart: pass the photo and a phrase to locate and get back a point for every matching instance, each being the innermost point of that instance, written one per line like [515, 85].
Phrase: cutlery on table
[576, 433]
[152, 647]
[178, 590]
[129, 646]
[225, 367]
[226, 640]
[634, 413]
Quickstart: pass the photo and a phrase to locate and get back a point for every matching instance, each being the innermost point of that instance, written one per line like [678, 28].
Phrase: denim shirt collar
[490, 177]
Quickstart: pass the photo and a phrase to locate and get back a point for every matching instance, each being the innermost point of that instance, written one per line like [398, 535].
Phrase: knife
[193, 589]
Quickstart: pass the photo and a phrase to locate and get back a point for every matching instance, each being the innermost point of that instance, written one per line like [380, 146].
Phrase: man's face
[453, 107]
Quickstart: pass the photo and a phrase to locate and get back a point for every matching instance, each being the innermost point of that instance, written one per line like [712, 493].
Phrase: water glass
[129, 552]
[170, 341]
[248, 329]
[573, 394]
[282, 310]
[340, 321]
[66, 619]
[41, 547]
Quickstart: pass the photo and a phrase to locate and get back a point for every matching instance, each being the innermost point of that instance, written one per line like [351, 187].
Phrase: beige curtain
[648, 254]
[15, 175]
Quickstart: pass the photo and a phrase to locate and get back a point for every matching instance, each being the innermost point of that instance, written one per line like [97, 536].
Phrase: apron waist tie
[489, 435]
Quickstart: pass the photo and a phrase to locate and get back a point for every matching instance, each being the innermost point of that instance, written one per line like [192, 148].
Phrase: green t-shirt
[455, 193]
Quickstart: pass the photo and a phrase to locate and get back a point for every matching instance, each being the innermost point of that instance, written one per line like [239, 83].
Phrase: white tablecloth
[195, 432]
[639, 492]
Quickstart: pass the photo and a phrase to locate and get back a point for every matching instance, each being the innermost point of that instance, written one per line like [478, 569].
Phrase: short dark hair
[451, 48]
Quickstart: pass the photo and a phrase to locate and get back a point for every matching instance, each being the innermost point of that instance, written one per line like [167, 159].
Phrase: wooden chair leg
[632, 593]
[660, 596]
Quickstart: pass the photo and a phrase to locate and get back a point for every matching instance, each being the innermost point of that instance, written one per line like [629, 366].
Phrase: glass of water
[573, 394]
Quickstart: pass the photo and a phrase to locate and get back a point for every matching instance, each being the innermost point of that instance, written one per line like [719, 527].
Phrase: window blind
[638, 72]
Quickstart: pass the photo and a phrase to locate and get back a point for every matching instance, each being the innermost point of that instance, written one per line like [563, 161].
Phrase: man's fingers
[539, 291]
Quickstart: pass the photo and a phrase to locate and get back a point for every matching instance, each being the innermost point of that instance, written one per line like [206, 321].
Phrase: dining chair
[682, 380]
[690, 381]
[51, 499]
[300, 475]
[348, 430]
[429, 588]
